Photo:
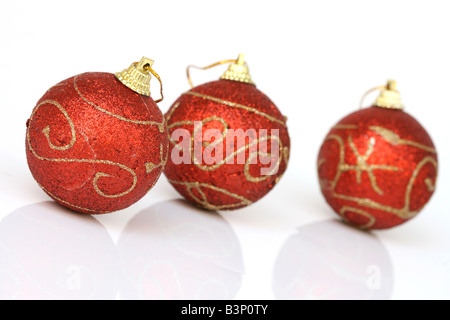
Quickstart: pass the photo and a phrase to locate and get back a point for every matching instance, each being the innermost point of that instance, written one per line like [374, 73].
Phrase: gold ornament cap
[137, 76]
[238, 71]
[389, 97]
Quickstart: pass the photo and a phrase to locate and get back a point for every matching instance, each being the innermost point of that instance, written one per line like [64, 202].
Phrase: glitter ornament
[378, 166]
[97, 142]
[229, 143]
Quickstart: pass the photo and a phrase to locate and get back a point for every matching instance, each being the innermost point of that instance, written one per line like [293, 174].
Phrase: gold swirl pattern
[46, 130]
[361, 166]
[252, 147]
[405, 212]
[70, 204]
[203, 201]
[204, 121]
[238, 106]
[98, 175]
[283, 154]
[150, 166]
[395, 140]
[160, 125]
[363, 213]
[340, 141]
[345, 126]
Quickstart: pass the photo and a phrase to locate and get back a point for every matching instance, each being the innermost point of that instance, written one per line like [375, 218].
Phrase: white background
[314, 59]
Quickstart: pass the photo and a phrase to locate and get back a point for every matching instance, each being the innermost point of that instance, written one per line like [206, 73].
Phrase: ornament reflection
[172, 250]
[48, 253]
[331, 260]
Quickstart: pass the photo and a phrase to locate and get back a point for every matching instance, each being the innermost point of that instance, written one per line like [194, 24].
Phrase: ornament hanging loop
[156, 75]
[206, 68]
[237, 71]
[389, 97]
[364, 96]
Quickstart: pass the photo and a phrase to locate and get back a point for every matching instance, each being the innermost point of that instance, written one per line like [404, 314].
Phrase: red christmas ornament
[378, 166]
[97, 142]
[229, 144]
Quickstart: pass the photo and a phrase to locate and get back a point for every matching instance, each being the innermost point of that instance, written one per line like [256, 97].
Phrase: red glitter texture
[377, 168]
[235, 105]
[94, 145]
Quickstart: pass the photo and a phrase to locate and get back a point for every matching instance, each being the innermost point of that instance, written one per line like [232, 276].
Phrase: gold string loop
[389, 97]
[153, 72]
[364, 96]
[206, 68]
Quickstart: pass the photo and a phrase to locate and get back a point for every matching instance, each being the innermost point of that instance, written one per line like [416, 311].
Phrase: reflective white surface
[330, 260]
[174, 251]
[167, 249]
[314, 59]
[47, 252]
